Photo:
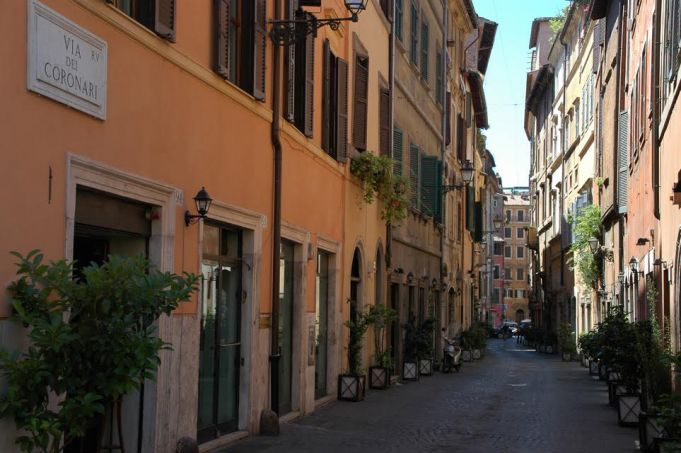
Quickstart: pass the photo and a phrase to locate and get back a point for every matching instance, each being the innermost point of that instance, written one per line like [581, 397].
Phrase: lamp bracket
[288, 32]
[190, 218]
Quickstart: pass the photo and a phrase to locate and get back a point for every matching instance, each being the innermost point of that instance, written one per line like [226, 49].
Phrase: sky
[505, 82]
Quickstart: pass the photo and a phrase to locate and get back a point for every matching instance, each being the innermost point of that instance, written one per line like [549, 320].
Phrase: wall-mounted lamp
[203, 202]
[410, 278]
[596, 248]
[660, 262]
[633, 265]
[467, 171]
[286, 32]
[642, 241]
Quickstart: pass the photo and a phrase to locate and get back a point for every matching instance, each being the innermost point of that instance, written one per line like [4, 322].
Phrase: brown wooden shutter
[326, 97]
[309, 84]
[359, 120]
[461, 153]
[164, 19]
[222, 60]
[342, 111]
[260, 49]
[290, 69]
[384, 123]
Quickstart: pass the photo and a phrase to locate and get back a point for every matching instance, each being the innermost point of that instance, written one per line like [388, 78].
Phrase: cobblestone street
[514, 400]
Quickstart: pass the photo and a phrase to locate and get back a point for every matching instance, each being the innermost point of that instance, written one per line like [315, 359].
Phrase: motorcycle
[451, 357]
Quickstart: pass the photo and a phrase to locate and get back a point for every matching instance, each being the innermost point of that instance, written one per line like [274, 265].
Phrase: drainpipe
[391, 87]
[442, 194]
[276, 223]
[654, 97]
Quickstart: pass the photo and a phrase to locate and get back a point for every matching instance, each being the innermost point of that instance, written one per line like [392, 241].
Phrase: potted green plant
[425, 345]
[379, 374]
[92, 340]
[478, 339]
[467, 343]
[352, 384]
[566, 343]
[410, 364]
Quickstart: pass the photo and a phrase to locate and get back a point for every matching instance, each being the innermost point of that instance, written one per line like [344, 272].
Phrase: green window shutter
[429, 185]
[470, 208]
[398, 19]
[327, 96]
[341, 110]
[414, 176]
[439, 202]
[290, 68]
[424, 51]
[397, 151]
[439, 89]
[414, 34]
[622, 161]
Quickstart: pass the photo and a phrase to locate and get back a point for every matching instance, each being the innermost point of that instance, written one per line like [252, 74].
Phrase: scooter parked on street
[451, 357]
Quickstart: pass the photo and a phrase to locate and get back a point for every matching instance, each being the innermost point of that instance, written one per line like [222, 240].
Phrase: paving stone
[514, 400]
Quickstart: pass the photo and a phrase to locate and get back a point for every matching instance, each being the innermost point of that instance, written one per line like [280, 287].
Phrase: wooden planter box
[549, 349]
[379, 377]
[628, 409]
[351, 387]
[648, 431]
[426, 367]
[541, 348]
[566, 357]
[466, 355]
[477, 354]
[602, 371]
[410, 371]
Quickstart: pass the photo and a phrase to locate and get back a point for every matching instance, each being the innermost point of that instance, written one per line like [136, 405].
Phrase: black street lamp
[202, 201]
[467, 171]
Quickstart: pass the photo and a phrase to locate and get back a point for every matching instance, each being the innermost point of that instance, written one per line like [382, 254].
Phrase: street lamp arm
[287, 32]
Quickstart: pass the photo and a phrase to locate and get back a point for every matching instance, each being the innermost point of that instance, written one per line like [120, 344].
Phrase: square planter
[614, 375]
[628, 409]
[549, 349]
[585, 361]
[426, 367]
[615, 389]
[593, 367]
[477, 354]
[379, 377]
[566, 357]
[410, 371]
[648, 431]
[351, 388]
[466, 355]
[602, 371]
[542, 348]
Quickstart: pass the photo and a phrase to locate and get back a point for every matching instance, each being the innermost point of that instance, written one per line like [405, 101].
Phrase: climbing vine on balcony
[378, 181]
[587, 225]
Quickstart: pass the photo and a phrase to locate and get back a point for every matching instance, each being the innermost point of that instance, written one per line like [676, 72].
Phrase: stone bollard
[187, 445]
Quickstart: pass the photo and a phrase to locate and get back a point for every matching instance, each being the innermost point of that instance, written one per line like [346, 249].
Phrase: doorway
[321, 325]
[286, 302]
[220, 358]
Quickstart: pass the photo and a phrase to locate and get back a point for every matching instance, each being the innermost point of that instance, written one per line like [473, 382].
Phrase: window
[361, 96]
[240, 48]
[521, 233]
[520, 252]
[498, 248]
[158, 15]
[521, 215]
[577, 120]
[509, 293]
[520, 293]
[508, 274]
[508, 252]
[507, 233]
[430, 180]
[672, 39]
[424, 50]
[399, 18]
[496, 272]
[508, 216]
[520, 273]
[414, 50]
[299, 73]
[334, 105]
